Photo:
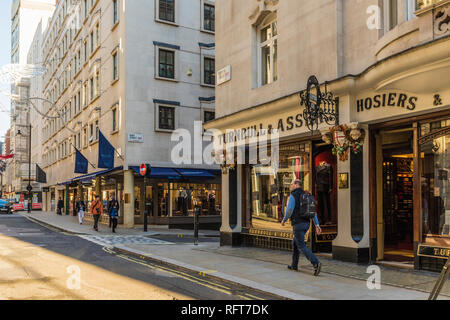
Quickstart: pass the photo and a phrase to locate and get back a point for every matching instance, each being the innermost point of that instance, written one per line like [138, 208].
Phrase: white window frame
[409, 7]
[176, 6]
[176, 61]
[115, 77]
[211, 3]
[387, 15]
[115, 109]
[115, 15]
[175, 122]
[273, 17]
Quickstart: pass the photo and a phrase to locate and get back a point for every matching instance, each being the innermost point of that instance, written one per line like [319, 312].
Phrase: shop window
[270, 190]
[435, 185]
[186, 196]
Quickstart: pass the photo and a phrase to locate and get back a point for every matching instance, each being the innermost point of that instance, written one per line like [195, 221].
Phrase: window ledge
[167, 79]
[208, 31]
[115, 132]
[114, 81]
[167, 22]
[208, 85]
[164, 130]
[94, 99]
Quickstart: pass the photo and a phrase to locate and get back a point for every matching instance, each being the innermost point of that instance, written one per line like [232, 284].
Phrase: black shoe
[317, 268]
[292, 268]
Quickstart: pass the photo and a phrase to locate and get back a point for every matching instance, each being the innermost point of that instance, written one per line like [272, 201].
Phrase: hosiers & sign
[392, 99]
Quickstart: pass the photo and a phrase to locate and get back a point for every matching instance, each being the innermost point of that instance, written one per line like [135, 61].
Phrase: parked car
[5, 206]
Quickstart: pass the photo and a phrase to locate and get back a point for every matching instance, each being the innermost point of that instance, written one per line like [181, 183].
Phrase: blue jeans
[298, 243]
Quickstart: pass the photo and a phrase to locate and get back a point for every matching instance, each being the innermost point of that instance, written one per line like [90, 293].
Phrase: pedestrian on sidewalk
[60, 206]
[301, 207]
[113, 210]
[80, 208]
[96, 210]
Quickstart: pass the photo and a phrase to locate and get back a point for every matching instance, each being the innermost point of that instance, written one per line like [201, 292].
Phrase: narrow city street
[39, 263]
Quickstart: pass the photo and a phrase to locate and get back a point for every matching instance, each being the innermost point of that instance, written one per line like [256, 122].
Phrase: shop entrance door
[397, 195]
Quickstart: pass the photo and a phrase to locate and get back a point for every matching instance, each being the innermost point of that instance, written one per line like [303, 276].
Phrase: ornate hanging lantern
[319, 107]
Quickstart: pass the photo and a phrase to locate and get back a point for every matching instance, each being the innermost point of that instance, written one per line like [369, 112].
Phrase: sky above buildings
[5, 57]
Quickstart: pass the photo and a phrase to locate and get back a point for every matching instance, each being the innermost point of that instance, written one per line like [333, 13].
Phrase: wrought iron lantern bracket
[319, 107]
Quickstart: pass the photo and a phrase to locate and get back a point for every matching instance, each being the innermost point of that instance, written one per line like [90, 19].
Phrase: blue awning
[179, 173]
[91, 176]
[160, 173]
[195, 173]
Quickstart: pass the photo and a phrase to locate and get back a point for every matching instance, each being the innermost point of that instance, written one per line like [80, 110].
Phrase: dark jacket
[113, 204]
[80, 204]
[324, 178]
[60, 204]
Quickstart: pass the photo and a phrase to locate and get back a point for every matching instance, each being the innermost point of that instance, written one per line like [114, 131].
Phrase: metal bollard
[145, 220]
[196, 224]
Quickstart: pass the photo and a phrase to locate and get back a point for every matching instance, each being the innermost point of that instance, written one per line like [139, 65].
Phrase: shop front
[170, 195]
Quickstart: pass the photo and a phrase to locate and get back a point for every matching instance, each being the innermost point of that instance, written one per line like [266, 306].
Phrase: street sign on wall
[224, 75]
[136, 137]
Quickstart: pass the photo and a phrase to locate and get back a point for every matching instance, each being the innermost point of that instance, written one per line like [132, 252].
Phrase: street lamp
[29, 187]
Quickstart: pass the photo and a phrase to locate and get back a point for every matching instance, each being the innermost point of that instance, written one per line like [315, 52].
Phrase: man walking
[60, 206]
[96, 210]
[300, 223]
[113, 210]
[80, 208]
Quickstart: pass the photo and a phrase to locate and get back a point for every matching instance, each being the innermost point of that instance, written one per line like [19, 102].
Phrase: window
[91, 133]
[115, 12]
[209, 71]
[91, 85]
[390, 14]
[268, 49]
[409, 7]
[92, 41]
[167, 10]
[97, 83]
[208, 116]
[115, 66]
[114, 119]
[209, 17]
[166, 64]
[166, 118]
[85, 137]
[96, 130]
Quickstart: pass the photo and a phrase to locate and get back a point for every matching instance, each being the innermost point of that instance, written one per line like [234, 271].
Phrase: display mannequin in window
[324, 187]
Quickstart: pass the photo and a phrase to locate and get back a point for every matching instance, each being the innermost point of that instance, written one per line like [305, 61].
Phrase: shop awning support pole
[441, 281]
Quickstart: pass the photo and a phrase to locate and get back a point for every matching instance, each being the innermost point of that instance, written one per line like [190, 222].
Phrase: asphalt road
[39, 263]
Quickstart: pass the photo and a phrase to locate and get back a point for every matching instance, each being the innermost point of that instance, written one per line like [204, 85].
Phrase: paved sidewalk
[70, 224]
[262, 269]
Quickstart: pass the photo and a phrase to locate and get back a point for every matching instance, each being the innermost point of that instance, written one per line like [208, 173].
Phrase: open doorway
[397, 195]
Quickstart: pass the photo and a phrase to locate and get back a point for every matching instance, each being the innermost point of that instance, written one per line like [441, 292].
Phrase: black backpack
[308, 206]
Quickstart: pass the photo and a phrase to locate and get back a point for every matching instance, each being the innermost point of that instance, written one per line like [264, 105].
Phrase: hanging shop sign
[345, 139]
